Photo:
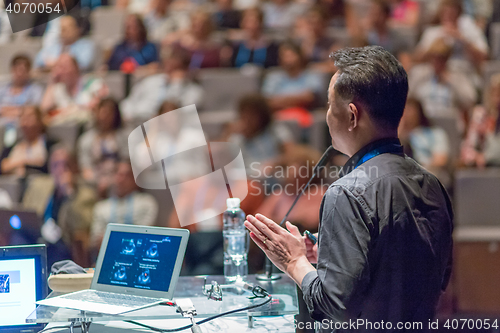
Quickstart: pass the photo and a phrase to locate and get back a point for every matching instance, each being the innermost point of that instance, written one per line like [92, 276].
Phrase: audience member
[293, 170]
[225, 16]
[339, 13]
[443, 93]
[160, 21]
[65, 204]
[293, 89]
[429, 144]
[380, 33]
[135, 47]
[30, 153]
[69, 95]
[314, 40]
[101, 147]
[255, 47]
[70, 41]
[469, 45]
[126, 206]
[174, 84]
[261, 140]
[197, 42]
[21, 90]
[481, 146]
[281, 14]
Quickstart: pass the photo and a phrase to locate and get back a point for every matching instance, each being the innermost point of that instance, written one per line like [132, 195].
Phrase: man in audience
[160, 21]
[70, 96]
[127, 205]
[294, 89]
[174, 84]
[443, 93]
[281, 14]
[70, 41]
[21, 90]
[66, 207]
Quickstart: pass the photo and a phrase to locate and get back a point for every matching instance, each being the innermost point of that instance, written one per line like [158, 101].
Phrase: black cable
[156, 329]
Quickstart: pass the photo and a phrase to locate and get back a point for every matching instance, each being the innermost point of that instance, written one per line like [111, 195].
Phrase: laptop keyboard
[100, 297]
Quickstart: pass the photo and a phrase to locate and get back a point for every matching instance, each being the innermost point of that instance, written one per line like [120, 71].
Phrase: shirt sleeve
[342, 272]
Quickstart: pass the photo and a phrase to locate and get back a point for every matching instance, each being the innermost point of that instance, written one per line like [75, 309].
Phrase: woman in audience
[69, 97]
[255, 48]
[469, 44]
[429, 145]
[294, 89]
[197, 42]
[481, 146]
[101, 147]
[31, 152]
[135, 47]
[293, 170]
[405, 13]
[21, 90]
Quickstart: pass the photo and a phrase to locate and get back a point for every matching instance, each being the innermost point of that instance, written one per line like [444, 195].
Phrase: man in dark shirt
[385, 238]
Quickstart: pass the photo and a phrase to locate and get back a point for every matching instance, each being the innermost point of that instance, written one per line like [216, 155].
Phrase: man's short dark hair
[374, 78]
[21, 59]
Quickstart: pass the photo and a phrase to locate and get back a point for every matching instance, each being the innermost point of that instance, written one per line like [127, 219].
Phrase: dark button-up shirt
[385, 244]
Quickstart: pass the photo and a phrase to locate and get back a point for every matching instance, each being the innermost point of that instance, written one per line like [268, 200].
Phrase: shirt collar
[355, 159]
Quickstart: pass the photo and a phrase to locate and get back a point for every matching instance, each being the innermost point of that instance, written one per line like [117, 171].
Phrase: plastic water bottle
[236, 242]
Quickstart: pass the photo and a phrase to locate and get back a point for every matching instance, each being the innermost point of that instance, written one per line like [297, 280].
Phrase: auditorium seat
[224, 87]
[29, 47]
[495, 41]
[66, 134]
[12, 185]
[476, 197]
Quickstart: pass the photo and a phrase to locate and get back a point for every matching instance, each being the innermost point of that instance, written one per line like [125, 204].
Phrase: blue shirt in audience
[147, 54]
[83, 50]
[31, 94]
[280, 83]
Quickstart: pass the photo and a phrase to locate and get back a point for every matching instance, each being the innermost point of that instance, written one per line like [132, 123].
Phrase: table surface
[283, 289]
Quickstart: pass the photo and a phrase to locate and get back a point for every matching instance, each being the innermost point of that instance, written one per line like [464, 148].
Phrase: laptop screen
[22, 283]
[135, 260]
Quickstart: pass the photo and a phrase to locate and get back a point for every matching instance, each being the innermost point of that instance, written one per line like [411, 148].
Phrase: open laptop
[137, 267]
[23, 281]
[19, 227]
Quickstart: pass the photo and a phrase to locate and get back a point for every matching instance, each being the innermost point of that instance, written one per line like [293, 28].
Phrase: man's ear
[353, 116]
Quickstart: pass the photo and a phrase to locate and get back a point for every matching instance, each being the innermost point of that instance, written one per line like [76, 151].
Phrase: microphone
[268, 275]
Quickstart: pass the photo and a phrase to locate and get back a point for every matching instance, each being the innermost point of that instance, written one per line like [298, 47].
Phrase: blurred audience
[294, 89]
[70, 41]
[70, 97]
[101, 147]
[161, 21]
[293, 170]
[468, 42]
[135, 47]
[260, 139]
[405, 13]
[21, 90]
[254, 47]
[428, 144]
[443, 93]
[126, 206]
[174, 84]
[30, 152]
[481, 146]
[197, 41]
[66, 205]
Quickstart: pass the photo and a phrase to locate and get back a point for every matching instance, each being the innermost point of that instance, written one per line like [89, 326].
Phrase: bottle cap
[233, 203]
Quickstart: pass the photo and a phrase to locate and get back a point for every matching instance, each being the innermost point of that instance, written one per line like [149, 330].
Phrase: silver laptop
[137, 267]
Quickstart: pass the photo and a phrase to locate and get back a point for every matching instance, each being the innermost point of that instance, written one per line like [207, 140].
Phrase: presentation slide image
[17, 291]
